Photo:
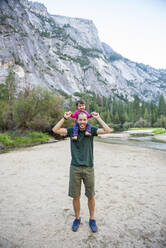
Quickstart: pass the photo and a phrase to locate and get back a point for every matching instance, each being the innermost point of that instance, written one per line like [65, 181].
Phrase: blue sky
[134, 28]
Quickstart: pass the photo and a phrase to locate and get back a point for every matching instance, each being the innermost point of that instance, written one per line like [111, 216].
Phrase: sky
[136, 29]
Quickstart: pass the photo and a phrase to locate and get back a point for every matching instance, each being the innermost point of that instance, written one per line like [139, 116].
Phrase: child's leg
[88, 129]
[75, 130]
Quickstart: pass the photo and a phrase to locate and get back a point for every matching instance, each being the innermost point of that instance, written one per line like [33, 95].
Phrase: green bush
[127, 125]
[21, 141]
[161, 122]
[3, 107]
[39, 136]
[142, 123]
[37, 109]
[159, 131]
[6, 116]
[40, 123]
[26, 138]
[6, 140]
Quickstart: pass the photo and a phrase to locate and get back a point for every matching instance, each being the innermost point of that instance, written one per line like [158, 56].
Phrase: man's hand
[95, 115]
[105, 128]
[58, 127]
[67, 114]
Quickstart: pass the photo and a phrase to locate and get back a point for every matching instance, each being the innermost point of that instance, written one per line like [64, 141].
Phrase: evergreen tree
[3, 92]
[146, 114]
[11, 85]
[162, 106]
[136, 108]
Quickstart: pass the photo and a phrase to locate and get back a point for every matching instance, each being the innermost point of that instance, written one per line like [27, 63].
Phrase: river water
[146, 141]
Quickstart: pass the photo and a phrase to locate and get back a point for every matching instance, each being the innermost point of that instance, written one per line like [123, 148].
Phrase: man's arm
[57, 128]
[105, 128]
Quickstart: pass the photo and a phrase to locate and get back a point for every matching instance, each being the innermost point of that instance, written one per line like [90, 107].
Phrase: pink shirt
[74, 115]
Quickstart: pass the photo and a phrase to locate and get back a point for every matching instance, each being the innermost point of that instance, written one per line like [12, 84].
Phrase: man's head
[82, 120]
[80, 104]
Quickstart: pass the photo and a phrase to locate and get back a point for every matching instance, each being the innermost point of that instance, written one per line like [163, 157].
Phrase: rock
[64, 53]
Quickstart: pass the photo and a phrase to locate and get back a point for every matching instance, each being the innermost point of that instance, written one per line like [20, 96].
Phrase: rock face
[66, 53]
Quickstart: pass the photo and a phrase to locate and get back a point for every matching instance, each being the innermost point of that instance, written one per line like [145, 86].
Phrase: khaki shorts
[77, 174]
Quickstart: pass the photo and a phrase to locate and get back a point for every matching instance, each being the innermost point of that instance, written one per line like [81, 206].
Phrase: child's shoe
[74, 138]
[87, 133]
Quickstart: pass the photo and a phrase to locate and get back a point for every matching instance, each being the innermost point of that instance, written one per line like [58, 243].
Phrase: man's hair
[80, 102]
[81, 113]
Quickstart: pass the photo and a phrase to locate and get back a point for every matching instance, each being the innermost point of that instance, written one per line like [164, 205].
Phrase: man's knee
[91, 198]
[76, 198]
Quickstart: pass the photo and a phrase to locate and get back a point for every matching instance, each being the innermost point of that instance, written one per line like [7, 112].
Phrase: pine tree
[162, 106]
[11, 85]
[136, 108]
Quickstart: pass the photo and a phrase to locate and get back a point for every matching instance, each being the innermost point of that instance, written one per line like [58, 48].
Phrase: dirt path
[35, 211]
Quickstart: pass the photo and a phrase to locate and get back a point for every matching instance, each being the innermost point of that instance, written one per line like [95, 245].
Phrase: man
[82, 163]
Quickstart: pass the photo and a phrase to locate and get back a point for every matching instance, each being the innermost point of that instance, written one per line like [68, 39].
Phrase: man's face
[81, 106]
[82, 121]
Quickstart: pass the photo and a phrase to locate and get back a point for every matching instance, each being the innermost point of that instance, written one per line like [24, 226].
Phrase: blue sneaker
[93, 226]
[76, 224]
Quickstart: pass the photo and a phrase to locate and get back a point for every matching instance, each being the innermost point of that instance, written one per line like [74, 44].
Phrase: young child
[80, 105]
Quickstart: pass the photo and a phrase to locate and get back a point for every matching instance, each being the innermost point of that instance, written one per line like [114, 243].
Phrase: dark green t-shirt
[82, 148]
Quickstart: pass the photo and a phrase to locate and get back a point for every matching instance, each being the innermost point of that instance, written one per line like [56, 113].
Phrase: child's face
[81, 106]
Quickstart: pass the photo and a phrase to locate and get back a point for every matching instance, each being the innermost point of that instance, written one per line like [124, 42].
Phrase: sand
[36, 212]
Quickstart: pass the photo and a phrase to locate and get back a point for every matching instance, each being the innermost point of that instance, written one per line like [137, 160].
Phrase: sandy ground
[36, 212]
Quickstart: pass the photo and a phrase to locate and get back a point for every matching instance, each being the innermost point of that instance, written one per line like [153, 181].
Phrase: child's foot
[87, 133]
[74, 138]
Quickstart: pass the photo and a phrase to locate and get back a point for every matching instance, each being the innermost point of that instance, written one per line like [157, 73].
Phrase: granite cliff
[64, 53]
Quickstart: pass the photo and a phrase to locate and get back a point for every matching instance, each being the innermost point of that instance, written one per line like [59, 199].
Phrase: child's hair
[80, 102]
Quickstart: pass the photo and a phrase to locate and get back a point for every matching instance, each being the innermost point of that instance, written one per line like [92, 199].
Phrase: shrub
[6, 116]
[142, 123]
[117, 127]
[27, 138]
[127, 125]
[159, 131]
[161, 122]
[39, 123]
[38, 109]
[39, 136]
[3, 107]
[6, 140]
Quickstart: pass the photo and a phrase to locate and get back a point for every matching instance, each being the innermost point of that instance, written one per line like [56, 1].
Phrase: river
[140, 140]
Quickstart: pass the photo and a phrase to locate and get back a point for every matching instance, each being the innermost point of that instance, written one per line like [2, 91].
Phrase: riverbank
[35, 210]
[127, 134]
[19, 139]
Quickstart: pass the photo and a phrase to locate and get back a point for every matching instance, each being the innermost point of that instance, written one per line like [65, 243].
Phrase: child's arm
[74, 115]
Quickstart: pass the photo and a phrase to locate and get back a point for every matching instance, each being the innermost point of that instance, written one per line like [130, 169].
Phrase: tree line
[39, 109]
[122, 114]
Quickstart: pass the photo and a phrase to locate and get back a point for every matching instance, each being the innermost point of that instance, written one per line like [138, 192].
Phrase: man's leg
[92, 222]
[74, 192]
[91, 205]
[89, 192]
[76, 206]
